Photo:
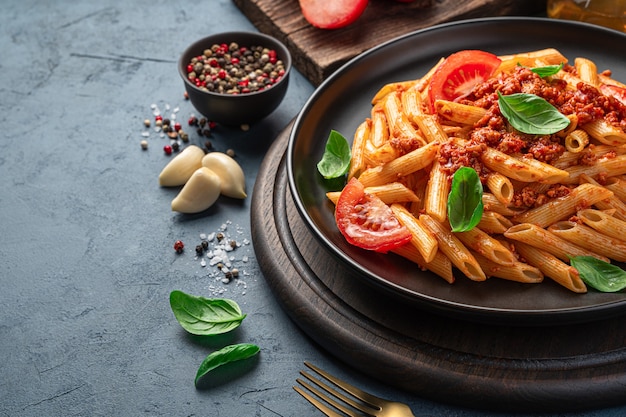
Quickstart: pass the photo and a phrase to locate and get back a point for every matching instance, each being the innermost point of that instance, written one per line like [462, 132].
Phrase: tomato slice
[367, 222]
[459, 73]
[332, 14]
[619, 93]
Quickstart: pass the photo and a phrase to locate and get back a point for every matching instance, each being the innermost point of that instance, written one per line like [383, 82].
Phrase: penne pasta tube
[452, 247]
[587, 71]
[547, 241]
[483, 244]
[459, 113]
[361, 135]
[391, 193]
[589, 238]
[491, 203]
[563, 207]
[610, 166]
[611, 203]
[440, 265]
[603, 223]
[548, 56]
[399, 124]
[552, 267]
[431, 129]
[436, 195]
[501, 187]
[522, 169]
[422, 238]
[576, 141]
[618, 186]
[392, 88]
[401, 166]
[517, 271]
[604, 132]
[494, 223]
[380, 129]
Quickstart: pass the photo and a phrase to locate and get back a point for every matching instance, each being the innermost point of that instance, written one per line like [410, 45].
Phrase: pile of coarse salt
[219, 255]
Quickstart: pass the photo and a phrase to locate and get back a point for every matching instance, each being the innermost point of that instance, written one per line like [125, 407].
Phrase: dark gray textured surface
[86, 234]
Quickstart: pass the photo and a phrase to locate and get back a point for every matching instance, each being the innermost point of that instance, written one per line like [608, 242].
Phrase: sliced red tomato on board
[459, 73]
[619, 93]
[367, 222]
[332, 14]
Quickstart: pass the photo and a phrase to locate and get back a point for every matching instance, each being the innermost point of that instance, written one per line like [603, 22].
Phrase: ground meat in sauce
[453, 156]
[527, 197]
[586, 102]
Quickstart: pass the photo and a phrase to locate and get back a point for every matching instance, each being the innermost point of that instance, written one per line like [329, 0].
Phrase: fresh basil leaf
[465, 201]
[336, 159]
[598, 274]
[225, 355]
[548, 70]
[205, 316]
[531, 114]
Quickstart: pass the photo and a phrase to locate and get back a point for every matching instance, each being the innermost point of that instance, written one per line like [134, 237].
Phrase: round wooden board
[493, 366]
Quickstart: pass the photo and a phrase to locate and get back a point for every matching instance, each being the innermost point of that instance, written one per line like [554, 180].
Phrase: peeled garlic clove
[199, 193]
[229, 171]
[180, 168]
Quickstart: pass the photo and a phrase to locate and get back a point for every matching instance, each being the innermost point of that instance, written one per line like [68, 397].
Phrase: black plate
[342, 102]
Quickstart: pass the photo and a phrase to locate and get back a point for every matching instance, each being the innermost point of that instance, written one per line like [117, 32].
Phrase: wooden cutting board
[317, 53]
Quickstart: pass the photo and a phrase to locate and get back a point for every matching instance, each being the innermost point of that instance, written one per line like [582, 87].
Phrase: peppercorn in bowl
[235, 78]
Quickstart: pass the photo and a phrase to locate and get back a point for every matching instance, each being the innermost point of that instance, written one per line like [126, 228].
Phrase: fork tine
[365, 408]
[319, 404]
[371, 400]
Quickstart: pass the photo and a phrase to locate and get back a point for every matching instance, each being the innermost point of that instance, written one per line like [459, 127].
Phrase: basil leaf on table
[531, 114]
[548, 70]
[226, 355]
[465, 201]
[205, 316]
[336, 159]
[598, 274]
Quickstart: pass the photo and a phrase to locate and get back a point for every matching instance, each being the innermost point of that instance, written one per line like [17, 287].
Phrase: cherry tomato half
[367, 222]
[332, 14]
[459, 73]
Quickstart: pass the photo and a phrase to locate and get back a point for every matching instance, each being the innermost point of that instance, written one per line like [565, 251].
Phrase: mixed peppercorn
[233, 69]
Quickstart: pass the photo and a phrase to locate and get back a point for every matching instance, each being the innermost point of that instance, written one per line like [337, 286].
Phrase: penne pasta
[590, 239]
[553, 268]
[547, 241]
[563, 207]
[603, 223]
[422, 239]
[452, 247]
[545, 197]
[483, 244]
[517, 271]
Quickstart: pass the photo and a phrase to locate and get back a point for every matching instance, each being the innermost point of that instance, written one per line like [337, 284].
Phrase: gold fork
[359, 404]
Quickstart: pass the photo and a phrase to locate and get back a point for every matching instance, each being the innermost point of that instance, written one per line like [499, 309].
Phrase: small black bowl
[236, 109]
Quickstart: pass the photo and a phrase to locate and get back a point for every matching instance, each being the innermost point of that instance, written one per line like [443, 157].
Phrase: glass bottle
[609, 13]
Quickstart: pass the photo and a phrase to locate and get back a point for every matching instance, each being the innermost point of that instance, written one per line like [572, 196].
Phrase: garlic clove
[230, 173]
[180, 168]
[199, 192]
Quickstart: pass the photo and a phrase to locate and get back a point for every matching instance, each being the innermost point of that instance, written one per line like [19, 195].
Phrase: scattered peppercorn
[167, 149]
[144, 144]
[219, 236]
[208, 145]
[233, 244]
[230, 152]
[235, 272]
[199, 249]
[175, 147]
[146, 123]
[205, 245]
[179, 246]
